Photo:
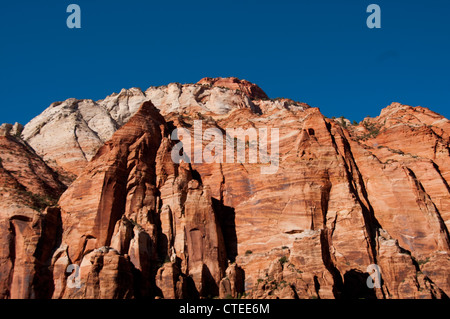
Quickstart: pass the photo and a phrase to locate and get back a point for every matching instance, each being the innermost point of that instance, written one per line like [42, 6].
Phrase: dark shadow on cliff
[49, 241]
[209, 286]
[226, 216]
[355, 286]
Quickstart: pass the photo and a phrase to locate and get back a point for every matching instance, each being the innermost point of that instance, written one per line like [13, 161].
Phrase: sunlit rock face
[345, 201]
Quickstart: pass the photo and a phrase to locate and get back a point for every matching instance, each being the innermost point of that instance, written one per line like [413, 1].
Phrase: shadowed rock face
[28, 230]
[148, 211]
[347, 201]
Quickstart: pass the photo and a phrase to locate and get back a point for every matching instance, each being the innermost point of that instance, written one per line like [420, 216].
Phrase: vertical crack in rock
[153, 213]
[430, 210]
[137, 225]
[351, 169]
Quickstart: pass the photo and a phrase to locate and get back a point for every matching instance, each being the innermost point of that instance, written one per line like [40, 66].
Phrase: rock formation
[152, 216]
[28, 223]
[352, 211]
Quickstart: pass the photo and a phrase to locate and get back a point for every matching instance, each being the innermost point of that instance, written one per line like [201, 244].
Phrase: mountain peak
[252, 90]
[139, 224]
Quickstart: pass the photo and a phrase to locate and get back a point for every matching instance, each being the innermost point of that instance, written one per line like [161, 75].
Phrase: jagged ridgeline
[93, 206]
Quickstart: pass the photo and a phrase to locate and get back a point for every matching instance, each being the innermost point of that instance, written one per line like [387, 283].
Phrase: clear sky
[319, 52]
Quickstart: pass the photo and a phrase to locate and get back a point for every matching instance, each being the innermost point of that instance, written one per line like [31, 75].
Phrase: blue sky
[319, 52]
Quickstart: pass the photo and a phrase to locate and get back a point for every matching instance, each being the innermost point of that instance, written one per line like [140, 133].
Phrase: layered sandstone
[250, 89]
[69, 133]
[28, 227]
[345, 202]
[150, 215]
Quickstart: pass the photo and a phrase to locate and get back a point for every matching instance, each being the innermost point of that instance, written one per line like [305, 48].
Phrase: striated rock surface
[250, 89]
[28, 228]
[348, 211]
[151, 213]
[69, 133]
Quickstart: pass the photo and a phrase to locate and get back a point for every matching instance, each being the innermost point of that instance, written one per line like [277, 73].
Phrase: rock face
[27, 226]
[250, 89]
[68, 134]
[351, 211]
[145, 214]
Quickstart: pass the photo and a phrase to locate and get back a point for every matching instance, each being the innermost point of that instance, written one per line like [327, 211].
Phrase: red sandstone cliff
[28, 227]
[136, 224]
